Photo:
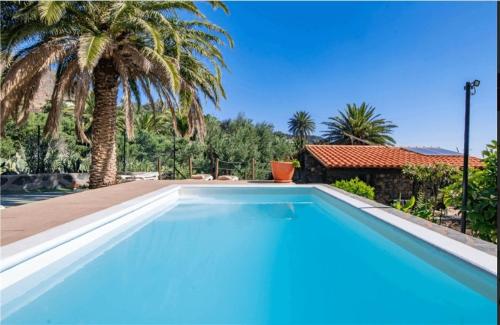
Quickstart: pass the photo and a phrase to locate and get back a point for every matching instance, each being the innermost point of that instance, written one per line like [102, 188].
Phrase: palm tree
[301, 126]
[103, 46]
[359, 125]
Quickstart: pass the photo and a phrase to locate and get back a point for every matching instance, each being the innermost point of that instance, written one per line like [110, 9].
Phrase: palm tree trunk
[103, 168]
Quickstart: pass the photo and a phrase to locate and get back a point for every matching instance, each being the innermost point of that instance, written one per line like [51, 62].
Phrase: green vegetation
[62, 154]
[356, 186]
[428, 180]
[301, 126]
[238, 140]
[482, 198]
[404, 206]
[359, 125]
[423, 208]
[440, 186]
[420, 207]
[165, 48]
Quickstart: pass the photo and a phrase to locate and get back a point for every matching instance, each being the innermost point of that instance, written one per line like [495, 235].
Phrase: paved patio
[22, 221]
[13, 199]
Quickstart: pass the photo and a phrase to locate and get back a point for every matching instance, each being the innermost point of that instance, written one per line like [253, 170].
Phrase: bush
[429, 180]
[404, 206]
[423, 208]
[482, 196]
[356, 186]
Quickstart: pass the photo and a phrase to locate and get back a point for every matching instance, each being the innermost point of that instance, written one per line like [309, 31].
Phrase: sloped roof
[363, 156]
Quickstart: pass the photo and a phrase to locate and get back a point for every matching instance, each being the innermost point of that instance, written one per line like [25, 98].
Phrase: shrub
[482, 196]
[356, 186]
[423, 208]
[404, 206]
[429, 180]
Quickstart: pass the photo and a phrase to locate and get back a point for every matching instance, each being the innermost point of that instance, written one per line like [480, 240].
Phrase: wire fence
[170, 166]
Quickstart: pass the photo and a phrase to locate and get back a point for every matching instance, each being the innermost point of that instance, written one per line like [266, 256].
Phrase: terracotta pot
[282, 171]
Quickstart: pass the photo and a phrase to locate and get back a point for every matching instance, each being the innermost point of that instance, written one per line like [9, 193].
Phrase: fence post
[216, 168]
[190, 166]
[158, 167]
[124, 152]
[253, 168]
[174, 169]
[38, 150]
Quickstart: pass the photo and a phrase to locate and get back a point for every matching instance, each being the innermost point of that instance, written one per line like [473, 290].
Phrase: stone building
[379, 166]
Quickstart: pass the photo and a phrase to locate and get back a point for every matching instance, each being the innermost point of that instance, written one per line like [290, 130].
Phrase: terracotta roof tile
[359, 156]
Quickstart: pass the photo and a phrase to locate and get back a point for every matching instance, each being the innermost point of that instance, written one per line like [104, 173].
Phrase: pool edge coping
[470, 254]
[477, 243]
[27, 248]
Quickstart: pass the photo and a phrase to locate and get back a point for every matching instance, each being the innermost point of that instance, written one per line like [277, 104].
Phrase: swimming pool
[258, 254]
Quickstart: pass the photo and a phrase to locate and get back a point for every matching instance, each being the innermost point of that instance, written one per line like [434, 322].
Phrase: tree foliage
[149, 45]
[301, 126]
[428, 180]
[359, 125]
[164, 49]
[482, 200]
[42, 155]
[237, 141]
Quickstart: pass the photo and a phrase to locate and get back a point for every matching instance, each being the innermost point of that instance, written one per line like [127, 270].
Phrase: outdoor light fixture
[468, 87]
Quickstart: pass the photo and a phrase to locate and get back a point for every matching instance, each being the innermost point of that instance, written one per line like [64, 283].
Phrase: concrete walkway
[26, 220]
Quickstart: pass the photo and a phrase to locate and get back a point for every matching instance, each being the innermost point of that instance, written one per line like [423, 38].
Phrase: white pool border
[25, 257]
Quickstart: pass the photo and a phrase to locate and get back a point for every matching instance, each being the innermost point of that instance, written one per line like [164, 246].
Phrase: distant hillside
[44, 92]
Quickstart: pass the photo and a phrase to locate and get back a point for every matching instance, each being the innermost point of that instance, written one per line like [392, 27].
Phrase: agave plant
[359, 125]
[101, 47]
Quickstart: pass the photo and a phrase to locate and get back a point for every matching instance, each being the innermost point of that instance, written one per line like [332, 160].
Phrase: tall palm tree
[103, 46]
[359, 125]
[301, 126]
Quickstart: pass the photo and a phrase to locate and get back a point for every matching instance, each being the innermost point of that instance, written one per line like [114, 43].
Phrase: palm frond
[21, 73]
[81, 94]
[221, 5]
[166, 65]
[61, 87]
[359, 125]
[90, 50]
[127, 104]
[51, 11]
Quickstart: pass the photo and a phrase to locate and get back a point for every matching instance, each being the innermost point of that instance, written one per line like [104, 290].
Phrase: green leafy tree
[235, 142]
[359, 125]
[240, 140]
[103, 46]
[482, 200]
[301, 126]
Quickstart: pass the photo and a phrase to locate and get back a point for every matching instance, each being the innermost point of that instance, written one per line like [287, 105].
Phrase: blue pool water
[273, 256]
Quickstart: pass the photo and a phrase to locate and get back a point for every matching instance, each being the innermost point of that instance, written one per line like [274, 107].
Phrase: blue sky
[409, 60]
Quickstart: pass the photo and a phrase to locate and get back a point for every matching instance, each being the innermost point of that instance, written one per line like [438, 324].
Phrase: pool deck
[22, 221]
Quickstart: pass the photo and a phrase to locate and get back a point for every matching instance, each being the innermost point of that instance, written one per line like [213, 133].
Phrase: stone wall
[388, 183]
[33, 182]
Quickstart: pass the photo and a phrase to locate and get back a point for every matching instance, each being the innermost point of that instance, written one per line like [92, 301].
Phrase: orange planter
[282, 171]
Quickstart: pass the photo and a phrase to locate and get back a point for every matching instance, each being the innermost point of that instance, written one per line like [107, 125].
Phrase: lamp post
[470, 89]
